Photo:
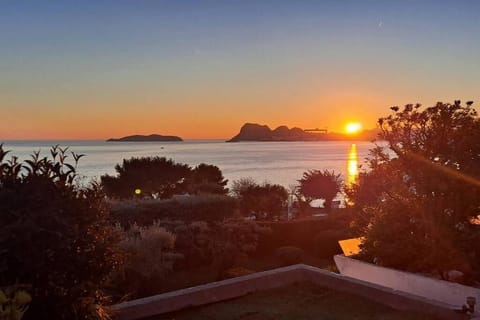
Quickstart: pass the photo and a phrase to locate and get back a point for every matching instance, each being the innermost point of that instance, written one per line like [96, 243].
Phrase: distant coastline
[257, 132]
[145, 138]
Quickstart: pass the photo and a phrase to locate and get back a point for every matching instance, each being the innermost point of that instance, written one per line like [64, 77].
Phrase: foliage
[206, 178]
[289, 255]
[240, 185]
[159, 253]
[325, 243]
[221, 245]
[210, 208]
[149, 176]
[372, 186]
[159, 177]
[265, 201]
[318, 237]
[55, 236]
[427, 193]
[317, 184]
[13, 303]
[150, 258]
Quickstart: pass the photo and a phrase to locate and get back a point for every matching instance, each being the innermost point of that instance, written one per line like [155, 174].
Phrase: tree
[422, 218]
[240, 185]
[206, 178]
[147, 176]
[55, 237]
[317, 184]
[263, 201]
[371, 186]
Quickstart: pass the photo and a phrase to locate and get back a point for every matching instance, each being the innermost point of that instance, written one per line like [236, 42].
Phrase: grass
[300, 301]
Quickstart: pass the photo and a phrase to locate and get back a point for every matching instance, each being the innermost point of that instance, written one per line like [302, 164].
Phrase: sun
[353, 127]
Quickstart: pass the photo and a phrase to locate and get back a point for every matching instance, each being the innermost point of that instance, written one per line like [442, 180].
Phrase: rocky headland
[257, 132]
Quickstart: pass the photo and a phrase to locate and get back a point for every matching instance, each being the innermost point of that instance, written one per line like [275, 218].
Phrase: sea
[276, 162]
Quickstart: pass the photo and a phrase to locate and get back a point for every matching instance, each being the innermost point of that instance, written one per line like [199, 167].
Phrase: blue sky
[202, 68]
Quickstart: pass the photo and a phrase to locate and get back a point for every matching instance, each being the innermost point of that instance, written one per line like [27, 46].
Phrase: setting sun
[353, 127]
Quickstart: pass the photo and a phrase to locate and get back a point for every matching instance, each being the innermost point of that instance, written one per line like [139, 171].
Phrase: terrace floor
[299, 301]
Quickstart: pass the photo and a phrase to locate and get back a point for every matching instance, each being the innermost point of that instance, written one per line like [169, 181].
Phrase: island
[257, 132]
[146, 138]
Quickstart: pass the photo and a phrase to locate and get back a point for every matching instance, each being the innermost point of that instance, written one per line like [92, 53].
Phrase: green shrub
[265, 202]
[55, 237]
[208, 208]
[220, 245]
[13, 303]
[289, 255]
[302, 234]
[158, 253]
[325, 243]
[150, 258]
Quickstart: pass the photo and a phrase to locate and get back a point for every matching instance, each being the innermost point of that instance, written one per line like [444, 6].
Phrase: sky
[200, 69]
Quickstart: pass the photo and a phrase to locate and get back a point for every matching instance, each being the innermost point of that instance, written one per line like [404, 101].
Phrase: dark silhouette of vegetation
[318, 237]
[150, 258]
[205, 207]
[55, 237]
[317, 184]
[418, 205]
[265, 201]
[366, 192]
[13, 303]
[206, 178]
[159, 177]
[240, 185]
[161, 251]
[146, 177]
[289, 255]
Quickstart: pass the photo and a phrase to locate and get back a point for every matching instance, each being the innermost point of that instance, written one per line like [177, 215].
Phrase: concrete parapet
[240, 286]
[432, 289]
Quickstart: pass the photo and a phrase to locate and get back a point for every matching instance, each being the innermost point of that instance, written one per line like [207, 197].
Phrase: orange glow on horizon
[353, 128]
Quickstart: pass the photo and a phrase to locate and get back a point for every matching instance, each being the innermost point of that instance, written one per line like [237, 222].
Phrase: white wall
[433, 289]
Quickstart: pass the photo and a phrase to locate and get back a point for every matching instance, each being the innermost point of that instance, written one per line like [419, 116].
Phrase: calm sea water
[276, 162]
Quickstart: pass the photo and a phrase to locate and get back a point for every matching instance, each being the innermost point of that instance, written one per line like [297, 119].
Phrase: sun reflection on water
[352, 165]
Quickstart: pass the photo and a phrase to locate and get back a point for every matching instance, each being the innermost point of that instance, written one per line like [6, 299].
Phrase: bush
[13, 303]
[266, 201]
[150, 258]
[289, 255]
[221, 245]
[208, 208]
[55, 237]
[160, 253]
[316, 236]
[325, 243]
